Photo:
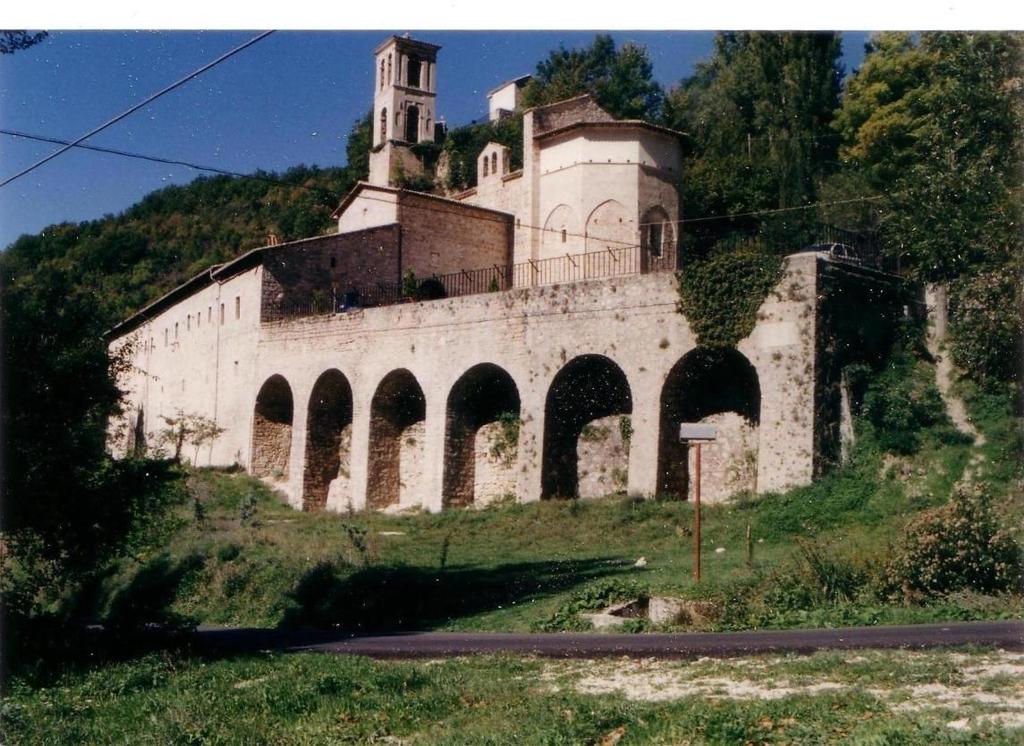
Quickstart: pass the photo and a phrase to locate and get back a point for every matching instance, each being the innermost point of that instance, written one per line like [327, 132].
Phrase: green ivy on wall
[720, 295]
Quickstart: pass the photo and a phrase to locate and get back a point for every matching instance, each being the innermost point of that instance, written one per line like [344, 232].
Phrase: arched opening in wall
[610, 226]
[383, 124]
[481, 436]
[494, 162]
[586, 429]
[397, 414]
[657, 235]
[718, 387]
[413, 72]
[412, 124]
[328, 442]
[272, 429]
[558, 225]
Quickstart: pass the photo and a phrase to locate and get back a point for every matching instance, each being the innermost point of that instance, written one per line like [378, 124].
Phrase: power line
[321, 190]
[157, 159]
[136, 107]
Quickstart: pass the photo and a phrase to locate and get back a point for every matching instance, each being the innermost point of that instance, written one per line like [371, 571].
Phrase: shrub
[958, 546]
[900, 402]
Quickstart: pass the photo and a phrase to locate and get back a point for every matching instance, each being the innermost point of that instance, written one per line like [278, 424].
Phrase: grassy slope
[251, 560]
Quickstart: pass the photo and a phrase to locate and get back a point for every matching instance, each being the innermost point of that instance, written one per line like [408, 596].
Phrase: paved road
[1004, 634]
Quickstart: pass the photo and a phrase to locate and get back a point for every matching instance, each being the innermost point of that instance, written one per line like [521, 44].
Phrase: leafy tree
[13, 41]
[621, 80]
[758, 115]
[358, 146]
[188, 428]
[933, 125]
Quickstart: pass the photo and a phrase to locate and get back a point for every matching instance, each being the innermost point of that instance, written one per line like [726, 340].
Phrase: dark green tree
[13, 41]
[758, 114]
[931, 126]
[621, 80]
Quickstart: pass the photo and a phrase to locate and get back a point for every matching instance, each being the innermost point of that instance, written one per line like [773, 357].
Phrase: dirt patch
[982, 688]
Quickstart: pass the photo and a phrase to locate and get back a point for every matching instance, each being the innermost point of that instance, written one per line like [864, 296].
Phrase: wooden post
[750, 550]
[696, 520]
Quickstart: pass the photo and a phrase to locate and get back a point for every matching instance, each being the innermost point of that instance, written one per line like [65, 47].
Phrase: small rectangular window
[222, 314]
[209, 314]
[199, 319]
[175, 331]
[238, 307]
[188, 323]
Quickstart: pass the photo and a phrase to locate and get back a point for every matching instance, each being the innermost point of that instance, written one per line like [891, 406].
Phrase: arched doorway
[481, 436]
[587, 429]
[328, 442]
[718, 387]
[272, 429]
[397, 414]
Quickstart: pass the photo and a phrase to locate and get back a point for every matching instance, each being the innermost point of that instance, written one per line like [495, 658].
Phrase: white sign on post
[696, 431]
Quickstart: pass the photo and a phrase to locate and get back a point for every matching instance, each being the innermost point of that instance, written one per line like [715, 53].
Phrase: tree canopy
[621, 80]
[757, 114]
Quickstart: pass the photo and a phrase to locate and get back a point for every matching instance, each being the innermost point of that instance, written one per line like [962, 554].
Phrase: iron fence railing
[561, 269]
[842, 245]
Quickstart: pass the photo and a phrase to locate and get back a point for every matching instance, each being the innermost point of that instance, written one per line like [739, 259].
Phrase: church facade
[519, 340]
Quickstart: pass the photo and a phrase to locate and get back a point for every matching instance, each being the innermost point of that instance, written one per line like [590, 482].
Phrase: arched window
[384, 124]
[413, 73]
[494, 162]
[382, 74]
[389, 69]
[486, 159]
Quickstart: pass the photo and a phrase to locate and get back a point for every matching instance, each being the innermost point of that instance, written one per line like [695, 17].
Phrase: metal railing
[593, 265]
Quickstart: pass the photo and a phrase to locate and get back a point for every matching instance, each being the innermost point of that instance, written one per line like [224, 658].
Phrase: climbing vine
[720, 295]
[505, 440]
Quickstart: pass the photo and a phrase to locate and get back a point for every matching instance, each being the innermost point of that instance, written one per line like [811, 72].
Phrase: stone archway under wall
[718, 387]
[397, 438]
[326, 476]
[587, 429]
[272, 430]
[481, 436]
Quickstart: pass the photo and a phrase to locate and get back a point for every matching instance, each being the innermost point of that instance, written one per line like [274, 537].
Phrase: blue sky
[289, 99]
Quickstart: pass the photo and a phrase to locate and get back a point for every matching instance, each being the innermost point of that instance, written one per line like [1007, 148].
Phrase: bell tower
[404, 106]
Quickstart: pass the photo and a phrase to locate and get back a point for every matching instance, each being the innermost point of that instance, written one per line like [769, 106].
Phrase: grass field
[863, 698]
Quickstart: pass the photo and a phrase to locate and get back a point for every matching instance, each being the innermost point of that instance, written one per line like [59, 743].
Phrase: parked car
[839, 251]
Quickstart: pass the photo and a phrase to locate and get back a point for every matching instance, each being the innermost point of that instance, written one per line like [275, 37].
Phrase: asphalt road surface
[1008, 635]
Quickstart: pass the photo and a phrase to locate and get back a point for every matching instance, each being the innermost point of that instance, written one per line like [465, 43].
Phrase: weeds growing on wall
[720, 295]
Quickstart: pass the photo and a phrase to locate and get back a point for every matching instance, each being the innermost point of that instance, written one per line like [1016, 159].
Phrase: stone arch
[272, 429]
[328, 441]
[384, 124]
[560, 222]
[397, 414]
[586, 443]
[494, 162]
[657, 234]
[610, 226]
[722, 388]
[481, 436]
